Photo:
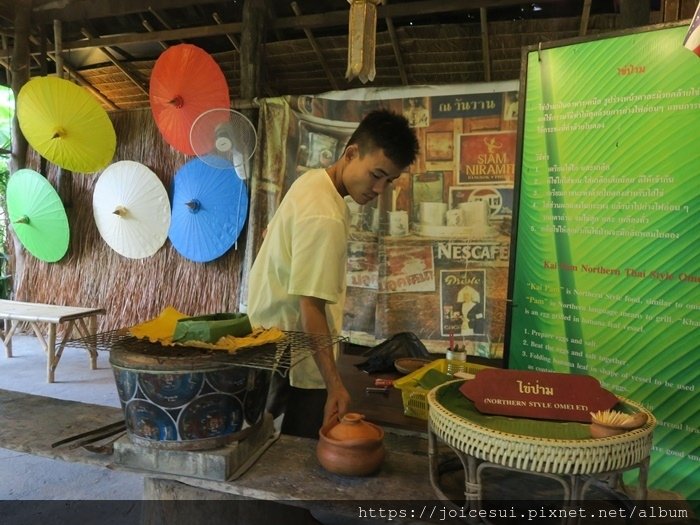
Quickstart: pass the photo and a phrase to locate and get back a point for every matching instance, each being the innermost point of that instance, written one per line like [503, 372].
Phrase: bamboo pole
[485, 50]
[317, 49]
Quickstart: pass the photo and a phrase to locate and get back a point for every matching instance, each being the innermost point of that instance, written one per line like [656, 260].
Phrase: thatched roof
[111, 47]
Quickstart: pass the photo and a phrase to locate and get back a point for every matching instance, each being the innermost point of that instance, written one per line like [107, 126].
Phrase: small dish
[607, 423]
[406, 365]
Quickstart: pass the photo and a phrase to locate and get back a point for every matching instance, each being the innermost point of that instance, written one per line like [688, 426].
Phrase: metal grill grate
[279, 356]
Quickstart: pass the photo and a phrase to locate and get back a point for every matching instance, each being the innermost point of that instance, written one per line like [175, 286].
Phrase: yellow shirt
[304, 253]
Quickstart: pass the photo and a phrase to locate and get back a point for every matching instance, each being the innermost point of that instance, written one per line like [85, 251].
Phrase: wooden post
[670, 10]
[19, 66]
[254, 27]
[251, 52]
[485, 49]
[585, 17]
[58, 47]
[18, 160]
[64, 179]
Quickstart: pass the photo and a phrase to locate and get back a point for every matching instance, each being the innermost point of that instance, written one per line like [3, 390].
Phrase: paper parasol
[37, 215]
[210, 205]
[65, 124]
[131, 209]
[185, 82]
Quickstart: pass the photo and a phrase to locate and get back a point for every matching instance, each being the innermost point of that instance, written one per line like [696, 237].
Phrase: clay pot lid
[352, 426]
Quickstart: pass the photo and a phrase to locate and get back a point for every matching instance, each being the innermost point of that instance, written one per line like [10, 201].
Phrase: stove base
[221, 464]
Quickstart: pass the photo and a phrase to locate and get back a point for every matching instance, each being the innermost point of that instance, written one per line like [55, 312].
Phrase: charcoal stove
[193, 411]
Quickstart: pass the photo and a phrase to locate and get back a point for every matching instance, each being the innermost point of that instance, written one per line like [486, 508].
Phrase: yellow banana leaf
[161, 330]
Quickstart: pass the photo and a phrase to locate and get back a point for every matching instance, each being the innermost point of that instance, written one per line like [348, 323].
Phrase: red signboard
[538, 395]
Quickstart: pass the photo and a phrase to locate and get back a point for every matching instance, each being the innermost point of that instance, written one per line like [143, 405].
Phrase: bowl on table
[406, 365]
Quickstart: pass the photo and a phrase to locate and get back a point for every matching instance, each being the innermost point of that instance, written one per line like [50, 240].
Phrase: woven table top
[536, 446]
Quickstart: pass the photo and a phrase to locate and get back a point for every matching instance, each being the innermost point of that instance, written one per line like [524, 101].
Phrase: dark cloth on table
[382, 356]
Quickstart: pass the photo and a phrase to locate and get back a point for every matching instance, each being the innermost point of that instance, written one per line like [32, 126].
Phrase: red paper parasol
[185, 82]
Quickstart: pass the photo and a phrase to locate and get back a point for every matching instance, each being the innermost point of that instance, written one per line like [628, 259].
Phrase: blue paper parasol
[210, 205]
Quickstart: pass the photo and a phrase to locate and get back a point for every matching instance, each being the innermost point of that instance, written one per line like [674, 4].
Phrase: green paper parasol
[37, 215]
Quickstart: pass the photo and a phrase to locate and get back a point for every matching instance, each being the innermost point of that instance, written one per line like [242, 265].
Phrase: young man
[297, 281]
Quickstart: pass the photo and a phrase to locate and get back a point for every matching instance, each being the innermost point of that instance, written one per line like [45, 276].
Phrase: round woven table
[574, 463]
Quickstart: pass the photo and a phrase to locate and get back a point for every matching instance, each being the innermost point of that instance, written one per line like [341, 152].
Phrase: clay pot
[352, 447]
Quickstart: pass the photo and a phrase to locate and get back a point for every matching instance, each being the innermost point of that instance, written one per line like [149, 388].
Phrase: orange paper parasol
[65, 124]
[185, 82]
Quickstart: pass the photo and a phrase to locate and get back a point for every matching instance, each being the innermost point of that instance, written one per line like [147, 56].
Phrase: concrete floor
[28, 477]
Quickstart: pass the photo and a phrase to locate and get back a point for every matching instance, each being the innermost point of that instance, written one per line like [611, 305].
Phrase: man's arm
[314, 321]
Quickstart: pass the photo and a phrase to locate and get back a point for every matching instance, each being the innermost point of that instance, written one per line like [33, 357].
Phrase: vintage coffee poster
[462, 299]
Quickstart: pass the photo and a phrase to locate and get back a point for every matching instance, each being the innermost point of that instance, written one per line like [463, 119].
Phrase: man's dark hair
[390, 132]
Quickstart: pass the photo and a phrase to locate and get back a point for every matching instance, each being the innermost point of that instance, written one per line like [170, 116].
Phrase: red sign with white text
[538, 395]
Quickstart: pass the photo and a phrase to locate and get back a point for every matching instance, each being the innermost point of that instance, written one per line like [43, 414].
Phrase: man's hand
[314, 321]
[337, 404]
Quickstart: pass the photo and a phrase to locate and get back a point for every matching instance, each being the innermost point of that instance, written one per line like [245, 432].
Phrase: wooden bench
[84, 320]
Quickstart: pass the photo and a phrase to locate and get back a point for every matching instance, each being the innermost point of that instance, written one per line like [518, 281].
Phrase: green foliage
[7, 108]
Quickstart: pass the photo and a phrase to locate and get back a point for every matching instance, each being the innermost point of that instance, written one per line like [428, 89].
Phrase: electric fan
[223, 138]
[227, 134]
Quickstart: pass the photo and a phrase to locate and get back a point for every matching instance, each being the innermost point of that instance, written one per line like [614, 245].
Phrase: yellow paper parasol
[131, 209]
[65, 124]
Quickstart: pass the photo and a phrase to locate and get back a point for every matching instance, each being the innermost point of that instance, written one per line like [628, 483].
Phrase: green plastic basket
[414, 396]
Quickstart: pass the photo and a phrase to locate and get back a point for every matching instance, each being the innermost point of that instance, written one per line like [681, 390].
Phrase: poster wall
[444, 225]
[606, 277]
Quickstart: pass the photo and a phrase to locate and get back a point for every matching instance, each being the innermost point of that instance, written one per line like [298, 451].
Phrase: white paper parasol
[131, 209]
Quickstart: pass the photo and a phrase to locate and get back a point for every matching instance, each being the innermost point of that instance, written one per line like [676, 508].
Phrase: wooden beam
[124, 68]
[92, 89]
[317, 50]
[485, 49]
[148, 27]
[74, 10]
[162, 21]
[330, 19]
[229, 36]
[74, 74]
[397, 49]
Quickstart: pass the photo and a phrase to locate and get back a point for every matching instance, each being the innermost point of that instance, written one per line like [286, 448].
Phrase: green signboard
[606, 265]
